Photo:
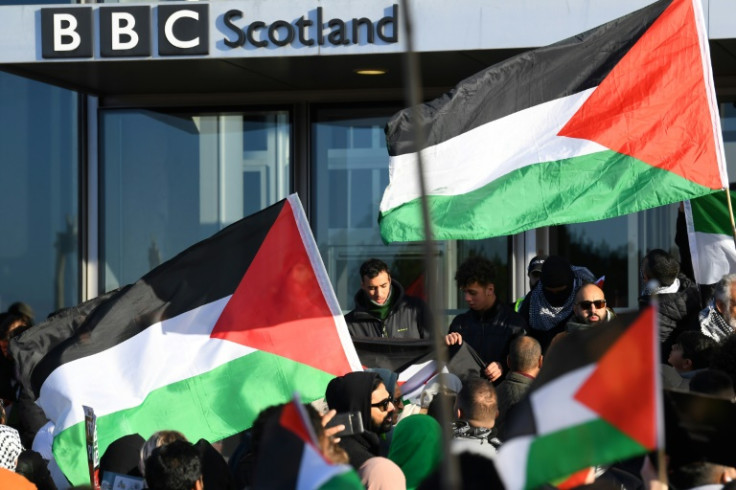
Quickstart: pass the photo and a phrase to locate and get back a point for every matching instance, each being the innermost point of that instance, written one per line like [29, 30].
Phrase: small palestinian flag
[201, 344]
[710, 236]
[289, 457]
[612, 121]
[597, 400]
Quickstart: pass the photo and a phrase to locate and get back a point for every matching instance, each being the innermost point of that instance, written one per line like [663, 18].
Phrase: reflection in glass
[349, 175]
[39, 261]
[171, 180]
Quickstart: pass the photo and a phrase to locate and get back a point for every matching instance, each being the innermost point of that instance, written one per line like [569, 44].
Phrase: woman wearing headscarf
[382, 474]
[416, 448]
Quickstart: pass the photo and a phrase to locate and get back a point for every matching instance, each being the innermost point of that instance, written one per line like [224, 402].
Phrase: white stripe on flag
[489, 152]
[512, 462]
[122, 376]
[553, 404]
[314, 471]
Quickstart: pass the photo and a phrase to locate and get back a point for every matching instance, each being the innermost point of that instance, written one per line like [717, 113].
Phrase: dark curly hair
[475, 269]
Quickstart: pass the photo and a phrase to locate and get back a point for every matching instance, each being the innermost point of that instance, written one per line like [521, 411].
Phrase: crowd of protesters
[398, 443]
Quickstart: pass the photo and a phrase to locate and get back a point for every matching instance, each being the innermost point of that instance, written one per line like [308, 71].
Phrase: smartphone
[353, 422]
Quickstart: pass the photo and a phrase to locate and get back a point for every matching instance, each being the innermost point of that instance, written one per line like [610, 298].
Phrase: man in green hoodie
[382, 309]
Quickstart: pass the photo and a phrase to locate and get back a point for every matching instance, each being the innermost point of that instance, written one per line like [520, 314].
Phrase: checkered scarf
[10, 447]
[544, 316]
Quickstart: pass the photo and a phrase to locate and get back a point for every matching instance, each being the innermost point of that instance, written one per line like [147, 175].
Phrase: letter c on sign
[169, 29]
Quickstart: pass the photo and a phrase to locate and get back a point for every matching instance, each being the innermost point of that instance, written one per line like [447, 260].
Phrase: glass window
[39, 253]
[728, 127]
[173, 179]
[350, 173]
[614, 248]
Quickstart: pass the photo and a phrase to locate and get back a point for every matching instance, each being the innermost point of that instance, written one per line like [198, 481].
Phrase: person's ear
[720, 307]
[687, 364]
[541, 359]
[199, 484]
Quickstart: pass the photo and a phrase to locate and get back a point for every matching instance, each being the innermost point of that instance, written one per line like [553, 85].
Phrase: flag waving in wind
[597, 400]
[710, 237]
[612, 121]
[201, 344]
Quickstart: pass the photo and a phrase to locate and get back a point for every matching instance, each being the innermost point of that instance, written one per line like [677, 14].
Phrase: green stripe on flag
[559, 454]
[586, 188]
[214, 405]
[710, 214]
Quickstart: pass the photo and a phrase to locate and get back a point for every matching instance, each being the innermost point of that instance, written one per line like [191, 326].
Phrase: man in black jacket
[363, 392]
[383, 310]
[678, 296]
[489, 325]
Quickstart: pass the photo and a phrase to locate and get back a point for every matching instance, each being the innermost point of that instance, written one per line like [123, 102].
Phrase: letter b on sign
[66, 32]
[125, 31]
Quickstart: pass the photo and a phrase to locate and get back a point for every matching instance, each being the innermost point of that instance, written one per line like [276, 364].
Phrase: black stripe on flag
[523, 81]
[205, 272]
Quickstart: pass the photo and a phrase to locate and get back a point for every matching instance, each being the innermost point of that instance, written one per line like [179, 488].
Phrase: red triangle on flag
[279, 306]
[654, 104]
[293, 421]
[623, 387]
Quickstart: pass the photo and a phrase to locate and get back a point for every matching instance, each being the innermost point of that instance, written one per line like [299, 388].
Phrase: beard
[731, 321]
[385, 425]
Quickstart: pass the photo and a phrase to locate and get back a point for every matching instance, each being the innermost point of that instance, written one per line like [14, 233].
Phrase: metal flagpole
[450, 477]
[730, 213]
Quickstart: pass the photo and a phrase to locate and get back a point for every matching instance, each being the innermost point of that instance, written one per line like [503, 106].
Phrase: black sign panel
[66, 32]
[183, 29]
[125, 31]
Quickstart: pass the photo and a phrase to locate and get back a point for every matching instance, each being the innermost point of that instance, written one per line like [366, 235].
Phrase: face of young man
[676, 360]
[378, 288]
[382, 410]
[590, 305]
[479, 298]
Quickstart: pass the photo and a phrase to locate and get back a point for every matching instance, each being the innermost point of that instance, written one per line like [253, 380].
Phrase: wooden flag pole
[662, 467]
[449, 473]
[730, 214]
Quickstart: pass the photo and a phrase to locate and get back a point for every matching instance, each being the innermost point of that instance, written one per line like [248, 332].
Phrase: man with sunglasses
[366, 393]
[590, 307]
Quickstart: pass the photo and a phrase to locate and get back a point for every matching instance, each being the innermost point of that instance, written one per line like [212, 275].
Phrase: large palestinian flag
[597, 400]
[711, 237]
[200, 344]
[612, 121]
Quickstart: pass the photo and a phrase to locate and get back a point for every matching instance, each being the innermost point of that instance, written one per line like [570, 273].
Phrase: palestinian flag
[597, 400]
[612, 121]
[201, 344]
[710, 237]
[289, 457]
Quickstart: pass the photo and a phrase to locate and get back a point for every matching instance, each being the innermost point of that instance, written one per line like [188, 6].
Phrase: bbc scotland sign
[184, 30]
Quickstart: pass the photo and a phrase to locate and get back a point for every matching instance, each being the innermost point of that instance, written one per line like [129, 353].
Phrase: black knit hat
[557, 272]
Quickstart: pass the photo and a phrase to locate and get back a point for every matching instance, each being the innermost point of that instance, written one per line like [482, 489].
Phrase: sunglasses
[383, 404]
[599, 303]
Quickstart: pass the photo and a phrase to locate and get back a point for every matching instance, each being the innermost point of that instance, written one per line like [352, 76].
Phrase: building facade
[130, 131]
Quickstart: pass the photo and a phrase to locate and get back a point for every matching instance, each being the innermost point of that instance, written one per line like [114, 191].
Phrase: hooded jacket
[349, 393]
[678, 312]
[408, 317]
